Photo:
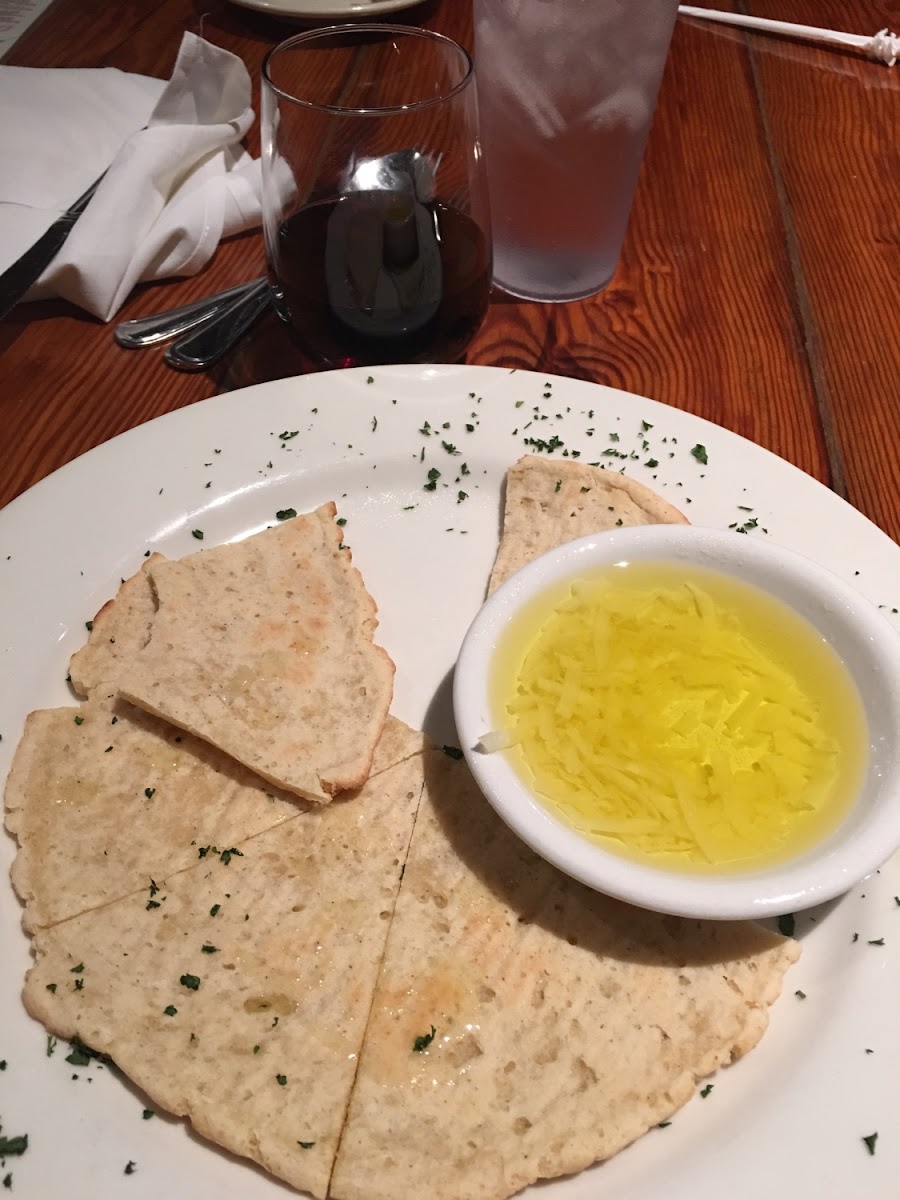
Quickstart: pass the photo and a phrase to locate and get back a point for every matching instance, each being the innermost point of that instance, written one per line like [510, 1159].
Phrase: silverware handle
[159, 327]
[216, 336]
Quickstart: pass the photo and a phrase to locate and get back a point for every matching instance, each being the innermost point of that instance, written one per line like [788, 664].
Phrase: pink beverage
[566, 93]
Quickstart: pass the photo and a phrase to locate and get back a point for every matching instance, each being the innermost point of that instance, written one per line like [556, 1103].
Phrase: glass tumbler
[375, 206]
[567, 91]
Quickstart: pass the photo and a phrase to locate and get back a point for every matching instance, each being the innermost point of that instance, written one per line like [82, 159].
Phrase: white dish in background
[865, 642]
[320, 10]
[797, 1108]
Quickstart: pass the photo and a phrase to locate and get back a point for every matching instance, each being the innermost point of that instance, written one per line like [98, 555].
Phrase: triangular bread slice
[265, 649]
[523, 1026]
[550, 502]
[241, 999]
[105, 799]
[119, 630]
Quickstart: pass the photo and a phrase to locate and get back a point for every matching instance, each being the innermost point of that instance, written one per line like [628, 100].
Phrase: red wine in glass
[381, 276]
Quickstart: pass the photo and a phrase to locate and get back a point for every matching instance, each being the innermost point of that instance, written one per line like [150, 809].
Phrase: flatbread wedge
[119, 630]
[550, 502]
[265, 649]
[523, 1026]
[105, 798]
[241, 998]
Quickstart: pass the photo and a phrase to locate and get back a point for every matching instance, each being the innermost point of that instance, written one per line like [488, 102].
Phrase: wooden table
[758, 285]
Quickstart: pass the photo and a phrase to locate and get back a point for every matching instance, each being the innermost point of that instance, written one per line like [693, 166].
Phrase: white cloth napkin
[178, 179]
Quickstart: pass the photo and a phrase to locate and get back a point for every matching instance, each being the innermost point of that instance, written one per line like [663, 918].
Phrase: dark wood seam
[812, 345]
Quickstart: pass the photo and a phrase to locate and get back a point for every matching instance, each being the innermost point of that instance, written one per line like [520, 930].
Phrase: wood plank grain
[834, 119]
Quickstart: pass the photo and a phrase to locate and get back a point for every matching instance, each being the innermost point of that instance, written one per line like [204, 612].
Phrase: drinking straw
[883, 46]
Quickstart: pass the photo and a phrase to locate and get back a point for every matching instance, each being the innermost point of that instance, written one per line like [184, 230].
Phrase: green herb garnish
[191, 982]
[424, 1040]
[787, 924]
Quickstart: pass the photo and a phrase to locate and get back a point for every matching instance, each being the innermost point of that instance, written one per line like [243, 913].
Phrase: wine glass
[375, 204]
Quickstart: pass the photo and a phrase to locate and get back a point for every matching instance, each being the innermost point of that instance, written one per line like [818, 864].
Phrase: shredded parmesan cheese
[654, 718]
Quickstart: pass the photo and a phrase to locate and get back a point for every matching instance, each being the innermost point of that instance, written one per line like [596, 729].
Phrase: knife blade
[17, 279]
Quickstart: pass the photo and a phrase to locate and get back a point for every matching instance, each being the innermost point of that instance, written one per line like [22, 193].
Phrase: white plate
[787, 1120]
[314, 10]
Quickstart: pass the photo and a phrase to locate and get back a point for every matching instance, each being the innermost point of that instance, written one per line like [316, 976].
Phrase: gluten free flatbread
[118, 632]
[265, 649]
[558, 1024]
[551, 502]
[104, 798]
[239, 997]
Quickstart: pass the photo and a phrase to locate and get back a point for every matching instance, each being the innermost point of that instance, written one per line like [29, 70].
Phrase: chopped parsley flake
[540, 444]
[800, 995]
[79, 720]
[870, 1142]
[130, 1167]
[453, 752]
[51, 1045]
[51, 987]
[170, 1010]
[704, 1091]
[424, 1040]
[215, 908]
[78, 1057]
[342, 521]
[13, 1145]
[147, 1114]
[787, 924]
[460, 496]
[149, 792]
[256, 1048]
[450, 448]
[699, 452]
[306, 1145]
[192, 982]
[206, 948]
[876, 941]
[285, 514]
[433, 476]
[89, 625]
[198, 534]
[288, 434]
[281, 1079]
[77, 970]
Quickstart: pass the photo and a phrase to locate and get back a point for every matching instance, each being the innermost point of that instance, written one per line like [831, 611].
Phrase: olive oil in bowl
[679, 717]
